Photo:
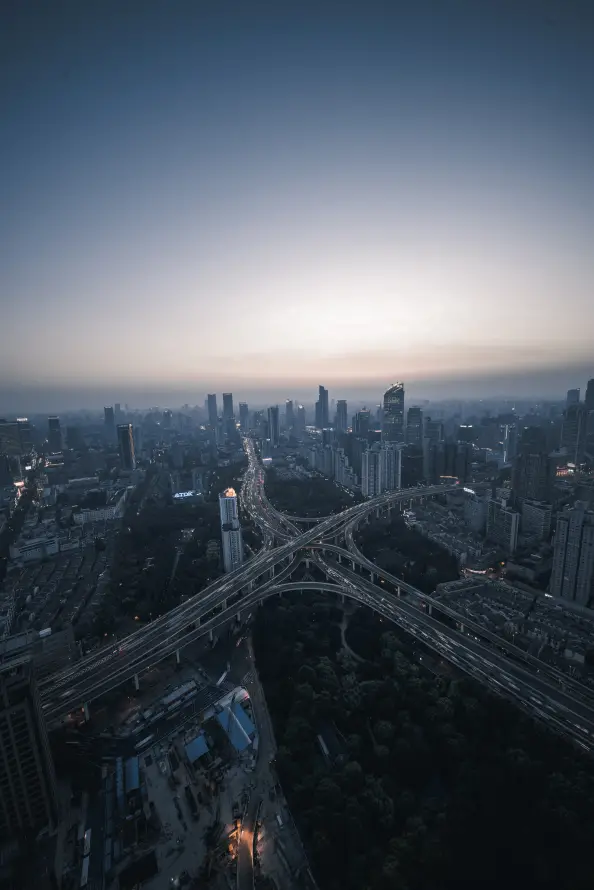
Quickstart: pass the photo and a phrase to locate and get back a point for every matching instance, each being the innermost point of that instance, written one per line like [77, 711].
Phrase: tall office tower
[361, 422]
[379, 416]
[301, 421]
[466, 433]
[117, 412]
[573, 432]
[589, 399]
[274, 426]
[244, 417]
[531, 467]
[414, 426]
[572, 576]
[322, 413]
[433, 430]
[503, 525]
[393, 423]
[54, 434]
[390, 466]
[25, 435]
[109, 421]
[371, 472]
[211, 407]
[230, 530]
[126, 446]
[228, 406]
[10, 438]
[510, 440]
[289, 416]
[573, 397]
[341, 416]
[28, 800]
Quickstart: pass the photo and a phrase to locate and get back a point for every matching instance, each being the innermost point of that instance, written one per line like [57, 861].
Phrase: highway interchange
[564, 704]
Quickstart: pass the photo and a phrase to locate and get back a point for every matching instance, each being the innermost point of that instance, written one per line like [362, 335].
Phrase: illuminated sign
[180, 495]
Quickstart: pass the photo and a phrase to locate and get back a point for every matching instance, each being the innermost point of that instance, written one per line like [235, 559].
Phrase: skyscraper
[503, 525]
[573, 397]
[109, 421]
[273, 426]
[390, 466]
[230, 530]
[322, 415]
[126, 446]
[341, 416]
[573, 432]
[301, 420]
[244, 422]
[289, 416]
[531, 467]
[370, 471]
[414, 426]
[54, 435]
[10, 438]
[211, 406]
[361, 422]
[393, 417]
[589, 399]
[572, 576]
[228, 406]
[28, 800]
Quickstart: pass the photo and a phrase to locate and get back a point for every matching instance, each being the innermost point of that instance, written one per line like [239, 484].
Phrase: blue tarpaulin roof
[243, 719]
[237, 735]
[196, 748]
[132, 775]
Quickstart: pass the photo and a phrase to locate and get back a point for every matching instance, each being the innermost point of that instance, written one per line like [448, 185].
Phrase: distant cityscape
[92, 596]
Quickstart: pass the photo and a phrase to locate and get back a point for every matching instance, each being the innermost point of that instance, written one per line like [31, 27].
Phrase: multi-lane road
[563, 703]
[101, 671]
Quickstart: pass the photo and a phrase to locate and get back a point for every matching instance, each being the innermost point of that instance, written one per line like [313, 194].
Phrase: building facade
[231, 536]
[393, 414]
[126, 446]
[572, 576]
[28, 799]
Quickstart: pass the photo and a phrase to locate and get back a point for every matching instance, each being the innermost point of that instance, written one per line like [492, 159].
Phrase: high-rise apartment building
[28, 800]
[393, 416]
[341, 424]
[230, 530]
[211, 407]
[531, 467]
[126, 446]
[228, 406]
[10, 437]
[510, 441]
[574, 430]
[54, 435]
[274, 426]
[503, 525]
[572, 576]
[414, 426]
[370, 472]
[244, 415]
[589, 399]
[381, 469]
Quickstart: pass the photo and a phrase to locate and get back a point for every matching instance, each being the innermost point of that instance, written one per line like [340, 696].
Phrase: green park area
[428, 782]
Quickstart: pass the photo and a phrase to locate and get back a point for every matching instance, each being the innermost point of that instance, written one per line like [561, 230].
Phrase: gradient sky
[210, 195]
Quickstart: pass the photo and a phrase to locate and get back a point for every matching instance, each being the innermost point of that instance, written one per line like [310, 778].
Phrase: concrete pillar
[210, 635]
[353, 565]
[461, 628]
[377, 513]
[177, 658]
[342, 597]
[224, 605]
[307, 563]
[398, 592]
[430, 609]
[339, 559]
[87, 712]
[371, 577]
[136, 682]
[238, 617]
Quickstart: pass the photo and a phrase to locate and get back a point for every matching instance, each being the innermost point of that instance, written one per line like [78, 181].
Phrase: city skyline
[401, 193]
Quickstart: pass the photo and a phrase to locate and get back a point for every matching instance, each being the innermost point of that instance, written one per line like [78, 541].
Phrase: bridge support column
[339, 559]
[430, 609]
[210, 635]
[177, 658]
[238, 617]
[461, 628]
[136, 682]
[353, 565]
[377, 513]
[372, 577]
[342, 598]
[224, 605]
[307, 563]
[398, 592]
[87, 712]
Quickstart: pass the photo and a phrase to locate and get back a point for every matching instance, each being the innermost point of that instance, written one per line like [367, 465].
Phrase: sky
[262, 197]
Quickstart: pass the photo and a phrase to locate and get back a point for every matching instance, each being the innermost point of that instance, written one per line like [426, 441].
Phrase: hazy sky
[211, 195]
